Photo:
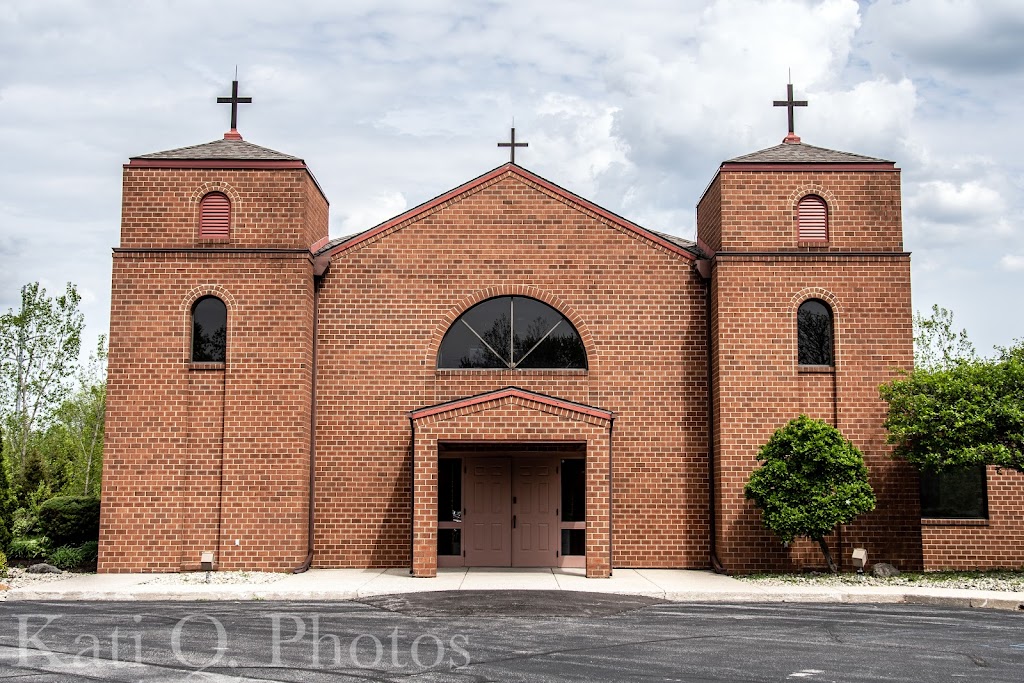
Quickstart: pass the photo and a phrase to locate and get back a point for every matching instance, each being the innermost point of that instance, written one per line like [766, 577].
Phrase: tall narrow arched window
[814, 333]
[215, 216]
[512, 332]
[812, 219]
[209, 330]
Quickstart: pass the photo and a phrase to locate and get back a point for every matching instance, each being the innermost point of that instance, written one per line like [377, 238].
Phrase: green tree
[811, 480]
[937, 343]
[967, 414]
[39, 347]
[78, 424]
[7, 505]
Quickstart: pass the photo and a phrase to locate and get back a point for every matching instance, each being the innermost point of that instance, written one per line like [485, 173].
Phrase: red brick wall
[759, 209]
[758, 383]
[709, 215]
[200, 457]
[197, 458]
[997, 542]
[270, 208]
[386, 304]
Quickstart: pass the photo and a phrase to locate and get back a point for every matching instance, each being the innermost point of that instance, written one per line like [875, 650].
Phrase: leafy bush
[812, 480]
[70, 520]
[965, 415]
[23, 523]
[90, 552]
[66, 557]
[3, 565]
[27, 548]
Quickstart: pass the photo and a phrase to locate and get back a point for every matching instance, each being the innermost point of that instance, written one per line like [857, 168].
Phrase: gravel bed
[988, 581]
[215, 578]
[19, 578]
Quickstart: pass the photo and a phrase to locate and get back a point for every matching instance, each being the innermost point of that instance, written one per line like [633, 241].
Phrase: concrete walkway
[675, 585]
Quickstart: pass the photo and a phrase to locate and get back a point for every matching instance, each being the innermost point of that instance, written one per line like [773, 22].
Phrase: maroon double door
[511, 512]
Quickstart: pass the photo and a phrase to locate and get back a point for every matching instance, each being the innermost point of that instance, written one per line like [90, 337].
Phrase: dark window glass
[209, 330]
[574, 542]
[449, 541]
[449, 490]
[574, 490]
[814, 333]
[512, 332]
[954, 493]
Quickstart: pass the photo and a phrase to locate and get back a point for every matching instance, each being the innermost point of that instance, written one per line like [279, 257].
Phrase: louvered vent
[215, 216]
[813, 219]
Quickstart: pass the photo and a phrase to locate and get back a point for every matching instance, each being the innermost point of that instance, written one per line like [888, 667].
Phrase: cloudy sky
[631, 104]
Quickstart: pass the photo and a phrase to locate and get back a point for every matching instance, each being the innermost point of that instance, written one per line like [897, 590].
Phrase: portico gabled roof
[673, 244]
[513, 393]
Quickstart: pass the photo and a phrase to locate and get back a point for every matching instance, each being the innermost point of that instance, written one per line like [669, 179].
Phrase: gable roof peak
[674, 244]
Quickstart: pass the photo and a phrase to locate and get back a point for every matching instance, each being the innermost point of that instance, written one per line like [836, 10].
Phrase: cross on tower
[513, 144]
[790, 103]
[234, 101]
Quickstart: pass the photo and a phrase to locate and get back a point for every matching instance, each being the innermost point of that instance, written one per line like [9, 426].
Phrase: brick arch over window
[832, 302]
[812, 201]
[208, 189]
[185, 311]
[473, 299]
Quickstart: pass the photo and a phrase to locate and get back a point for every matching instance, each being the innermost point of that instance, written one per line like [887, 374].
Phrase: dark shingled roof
[680, 242]
[233, 150]
[800, 153]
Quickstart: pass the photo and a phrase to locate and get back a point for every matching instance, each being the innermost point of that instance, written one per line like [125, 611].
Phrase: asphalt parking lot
[505, 636]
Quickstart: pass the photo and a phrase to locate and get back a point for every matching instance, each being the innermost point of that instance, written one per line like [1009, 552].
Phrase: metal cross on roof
[513, 144]
[234, 101]
[790, 103]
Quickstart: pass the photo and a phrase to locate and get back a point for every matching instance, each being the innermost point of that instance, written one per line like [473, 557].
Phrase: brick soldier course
[332, 362]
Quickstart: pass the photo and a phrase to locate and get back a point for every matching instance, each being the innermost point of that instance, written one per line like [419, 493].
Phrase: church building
[507, 375]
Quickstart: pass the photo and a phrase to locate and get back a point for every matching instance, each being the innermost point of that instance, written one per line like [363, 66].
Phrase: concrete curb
[691, 586]
[1013, 602]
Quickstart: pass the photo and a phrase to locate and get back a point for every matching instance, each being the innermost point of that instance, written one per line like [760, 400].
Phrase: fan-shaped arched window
[512, 332]
[812, 219]
[215, 216]
[814, 333]
[209, 330]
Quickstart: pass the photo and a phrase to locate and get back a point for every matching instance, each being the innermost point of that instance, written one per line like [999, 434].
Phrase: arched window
[814, 333]
[812, 219]
[215, 216]
[512, 332]
[209, 330]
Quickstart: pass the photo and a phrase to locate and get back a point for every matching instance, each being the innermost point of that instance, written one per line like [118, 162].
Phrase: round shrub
[70, 520]
[65, 557]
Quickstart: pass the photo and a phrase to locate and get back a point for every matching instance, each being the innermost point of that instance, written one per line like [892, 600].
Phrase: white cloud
[373, 210]
[968, 203]
[1012, 262]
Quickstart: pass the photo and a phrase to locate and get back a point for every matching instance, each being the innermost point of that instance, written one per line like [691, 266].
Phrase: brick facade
[216, 457]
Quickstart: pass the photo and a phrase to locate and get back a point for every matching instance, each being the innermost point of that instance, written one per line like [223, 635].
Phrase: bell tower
[210, 367]
[810, 313]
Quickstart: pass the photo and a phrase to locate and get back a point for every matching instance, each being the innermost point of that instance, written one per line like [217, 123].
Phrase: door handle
[513, 521]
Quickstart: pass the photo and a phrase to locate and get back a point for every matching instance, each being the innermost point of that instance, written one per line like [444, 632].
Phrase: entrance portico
[524, 480]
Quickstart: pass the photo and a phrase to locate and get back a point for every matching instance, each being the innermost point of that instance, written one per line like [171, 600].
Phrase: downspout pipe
[611, 497]
[317, 286]
[412, 499]
[705, 271]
